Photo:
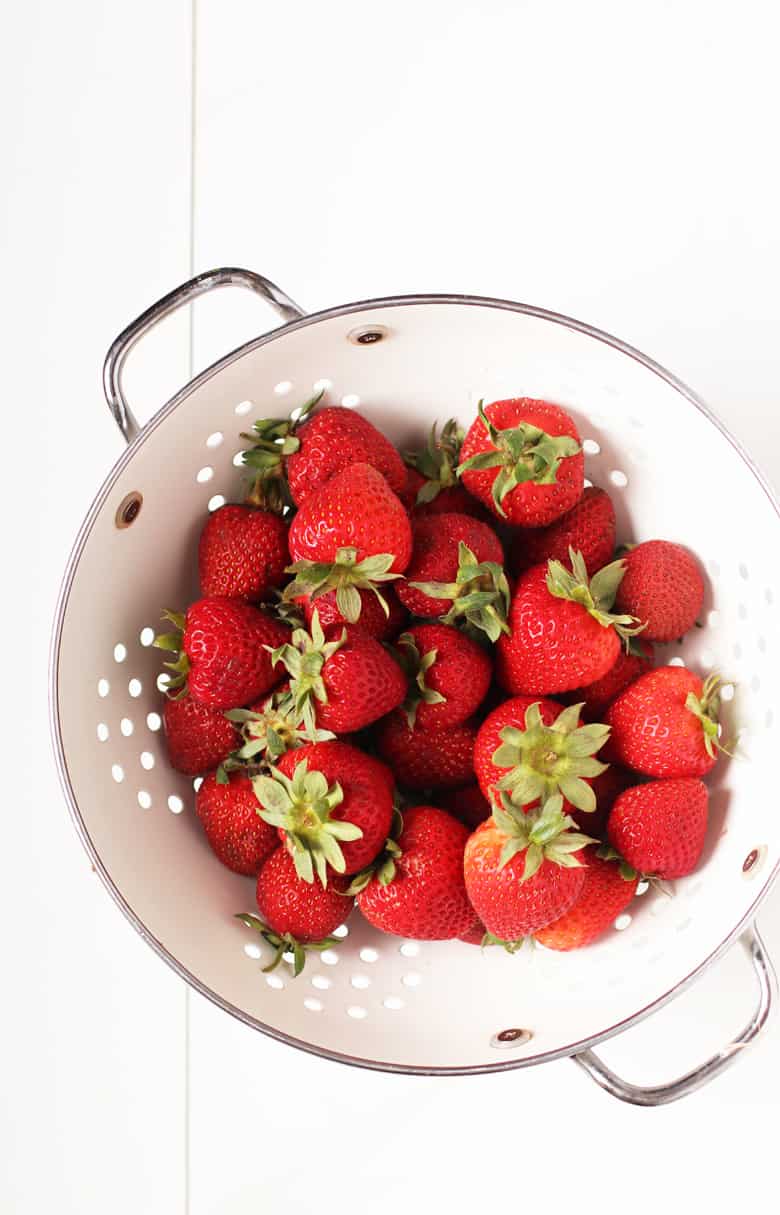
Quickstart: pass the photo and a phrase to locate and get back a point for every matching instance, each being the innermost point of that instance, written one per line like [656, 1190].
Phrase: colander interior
[671, 472]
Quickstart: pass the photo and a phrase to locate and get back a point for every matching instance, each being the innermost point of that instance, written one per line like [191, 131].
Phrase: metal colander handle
[662, 1094]
[185, 294]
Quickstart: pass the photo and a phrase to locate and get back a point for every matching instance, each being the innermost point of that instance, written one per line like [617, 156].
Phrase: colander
[372, 1000]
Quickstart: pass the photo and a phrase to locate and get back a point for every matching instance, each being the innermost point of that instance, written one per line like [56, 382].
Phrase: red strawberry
[333, 806]
[350, 535]
[230, 814]
[469, 805]
[523, 871]
[608, 889]
[198, 738]
[312, 449]
[532, 749]
[588, 528]
[456, 571]
[343, 683]
[223, 651]
[666, 723]
[562, 632]
[606, 787]
[475, 934]
[427, 759]
[450, 675]
[662, 586]
[453, 500]
[242, 553]
[660, 827]
[597, 696]
[297, 916]
[425, 898]
[372, 617]
[432, 484]
[523, 459]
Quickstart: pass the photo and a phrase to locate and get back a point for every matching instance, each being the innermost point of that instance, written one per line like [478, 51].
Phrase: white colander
[376, 1001]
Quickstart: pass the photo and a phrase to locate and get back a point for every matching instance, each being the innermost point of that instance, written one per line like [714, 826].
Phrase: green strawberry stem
[172, 643]
[271, 440]
[346, 576]
[521, 453]
[438, 461]
[596, 594]
[416, 665]
[543, 835]
[268, 735]
[707, 709]
[304, 657]
[283, 943]
[544, 760]
[510, 946]
[383, 866]
[480, 595]
[608, 853]
[302, 808]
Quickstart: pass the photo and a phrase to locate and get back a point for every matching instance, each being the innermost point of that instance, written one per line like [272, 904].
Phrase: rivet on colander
[508, 1038]
[128, 509]
[753, 861]
[367, 336]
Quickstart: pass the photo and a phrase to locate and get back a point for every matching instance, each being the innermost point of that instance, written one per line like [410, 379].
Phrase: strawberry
[523, 459]
[297, 916]
[242, 553]
[597, 696]
[333, 806]
[523, 871]
[608, 888]
[666, 723]
[588, 528]
[453, 500]
[198, 738]
[372, 617]
[431, 482]
[352, 534]
[475, 934]
[425, 896]
[313, 448]
[456, 570]
[562, 632]
[222, 648]
[268, 729]
[662, 586]
[531, 749]
[449, 673]
[231, 819]
[660, 827]
[469, 805]
[344, 682]
[427, 759]
[606, 787]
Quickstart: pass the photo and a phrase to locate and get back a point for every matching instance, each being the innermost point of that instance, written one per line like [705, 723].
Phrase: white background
[617, 162]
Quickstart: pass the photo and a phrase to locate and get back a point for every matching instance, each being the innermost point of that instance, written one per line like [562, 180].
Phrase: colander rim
[62, 602]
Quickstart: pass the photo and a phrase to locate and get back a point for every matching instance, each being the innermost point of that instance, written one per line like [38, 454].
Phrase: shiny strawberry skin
[330, 441]
[363, 682]
[660, 827]
[225, 641]
[604, 895]
[461, 674]
[367, 788]
[652, 730]
[529, 504]
[662, 586]
[426, 900]
[435, 556]
[511, 909]
[372, 618]
[427, 759]
[555, 644]
[242, 554]
[197, 737]
[469, 805]
[453, 499]
[597, 696]
[233, 827]
[510, 713]
[357, 509]
[588, 528]
[306, 910]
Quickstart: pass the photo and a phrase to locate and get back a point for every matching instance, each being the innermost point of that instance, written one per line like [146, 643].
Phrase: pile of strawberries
[426, 686]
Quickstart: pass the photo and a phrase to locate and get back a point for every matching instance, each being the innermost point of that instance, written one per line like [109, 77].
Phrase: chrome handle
[185, 294]
[662, 1094]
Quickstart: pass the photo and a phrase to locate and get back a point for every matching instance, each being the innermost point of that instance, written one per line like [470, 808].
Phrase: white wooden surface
[611, 161]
